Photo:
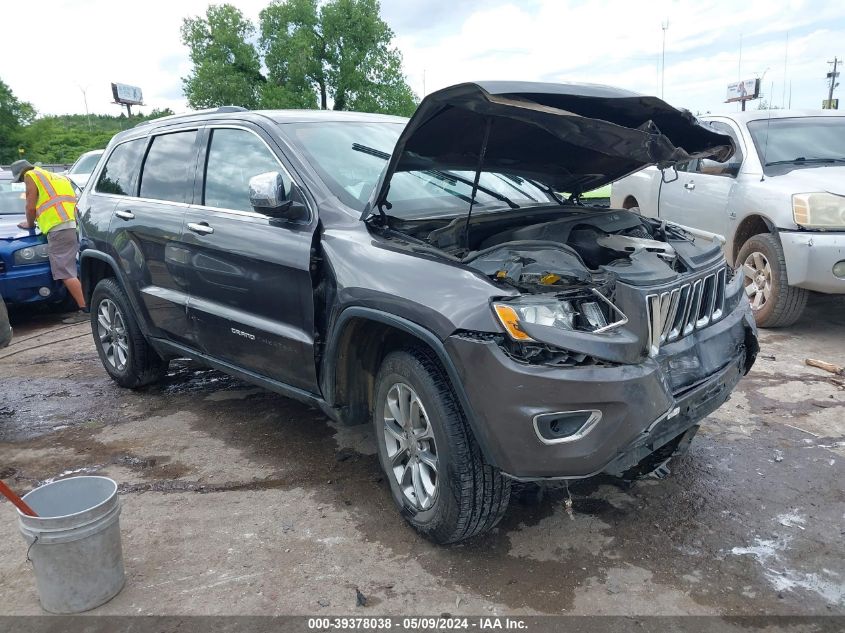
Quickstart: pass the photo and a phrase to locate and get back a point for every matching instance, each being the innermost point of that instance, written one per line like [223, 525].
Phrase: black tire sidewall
[109, 289]
[404, 367]
[769, 246]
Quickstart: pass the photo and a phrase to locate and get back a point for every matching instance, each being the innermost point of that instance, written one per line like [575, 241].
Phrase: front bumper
[810, 257]
[643, 406]
[21, 284]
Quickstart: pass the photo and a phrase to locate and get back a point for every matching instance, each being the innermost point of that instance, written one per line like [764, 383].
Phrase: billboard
[743, 90]
[832, 104]
[127, 95]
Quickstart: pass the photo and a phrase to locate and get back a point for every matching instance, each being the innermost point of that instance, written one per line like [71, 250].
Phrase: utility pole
[785, 58]
[85, 99]
[665, 27]
[833, 84]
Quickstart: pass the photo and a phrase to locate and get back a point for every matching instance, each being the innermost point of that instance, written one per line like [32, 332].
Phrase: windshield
[12, 198]
[85, 165]
[799, 141]
[350, 157]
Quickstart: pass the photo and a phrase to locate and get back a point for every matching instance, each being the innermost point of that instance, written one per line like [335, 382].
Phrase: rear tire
[460, 496]
[775, 303]
[127, 357]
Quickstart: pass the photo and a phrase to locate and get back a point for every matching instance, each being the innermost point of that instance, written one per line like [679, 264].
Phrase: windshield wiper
[372, 151]
[801, 160]
[442, 175]
[448, 175]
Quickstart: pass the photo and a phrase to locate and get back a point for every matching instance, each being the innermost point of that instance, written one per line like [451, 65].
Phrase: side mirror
[267, 195]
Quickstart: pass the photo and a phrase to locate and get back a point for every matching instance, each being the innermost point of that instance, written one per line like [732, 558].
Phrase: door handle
[202, 229]
[689, 186]
[125, 215]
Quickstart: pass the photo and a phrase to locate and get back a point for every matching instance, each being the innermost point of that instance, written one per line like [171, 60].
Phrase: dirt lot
[239, 501]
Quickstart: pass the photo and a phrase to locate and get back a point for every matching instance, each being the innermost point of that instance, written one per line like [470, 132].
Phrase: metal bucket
[75, 543]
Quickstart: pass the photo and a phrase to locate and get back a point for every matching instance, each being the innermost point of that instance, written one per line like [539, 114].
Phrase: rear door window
[168, 172]
[118, 176]
[234, 157]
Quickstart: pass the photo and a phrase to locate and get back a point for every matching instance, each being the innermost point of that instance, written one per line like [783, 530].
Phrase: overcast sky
[76, 45]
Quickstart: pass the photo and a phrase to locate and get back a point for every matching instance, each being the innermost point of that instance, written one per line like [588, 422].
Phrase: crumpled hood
[829, 178]
[9, 227]
[572, 137]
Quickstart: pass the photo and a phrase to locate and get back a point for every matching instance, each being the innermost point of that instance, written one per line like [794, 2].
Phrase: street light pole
[84, 92]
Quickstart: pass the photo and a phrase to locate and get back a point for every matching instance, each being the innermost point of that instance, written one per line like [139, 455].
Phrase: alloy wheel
[758, 279]
[111, 333]
[411, 449]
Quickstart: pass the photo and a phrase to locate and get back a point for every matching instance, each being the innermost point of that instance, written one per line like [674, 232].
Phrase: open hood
[571, 137]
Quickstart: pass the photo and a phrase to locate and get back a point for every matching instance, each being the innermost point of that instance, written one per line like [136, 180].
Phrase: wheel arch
[94, 266]
[360, 340]
[752, 224]
[630, 202]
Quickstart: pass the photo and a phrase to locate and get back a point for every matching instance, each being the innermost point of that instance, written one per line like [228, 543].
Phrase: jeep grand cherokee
[427, 275]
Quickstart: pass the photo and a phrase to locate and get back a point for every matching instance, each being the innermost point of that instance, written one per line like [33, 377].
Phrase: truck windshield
[85, 164]
[799, 141]
[350, 157]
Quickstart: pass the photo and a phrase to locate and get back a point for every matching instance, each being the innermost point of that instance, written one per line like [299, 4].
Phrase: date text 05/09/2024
[485, 623]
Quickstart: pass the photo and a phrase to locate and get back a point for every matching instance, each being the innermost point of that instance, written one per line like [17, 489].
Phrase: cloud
[448, 41]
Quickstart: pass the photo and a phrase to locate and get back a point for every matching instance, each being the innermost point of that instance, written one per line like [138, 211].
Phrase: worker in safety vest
[51, 204]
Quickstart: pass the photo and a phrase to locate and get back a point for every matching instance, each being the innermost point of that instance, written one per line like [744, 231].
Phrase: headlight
[31, 255]
[587, 312]
[818, 210]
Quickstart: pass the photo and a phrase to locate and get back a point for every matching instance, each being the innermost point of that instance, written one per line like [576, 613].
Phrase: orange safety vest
[56, 200]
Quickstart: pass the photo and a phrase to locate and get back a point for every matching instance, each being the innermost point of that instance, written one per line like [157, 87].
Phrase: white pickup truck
[779, 202]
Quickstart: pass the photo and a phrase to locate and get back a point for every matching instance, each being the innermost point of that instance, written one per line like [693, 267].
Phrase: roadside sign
[832, 104]
[743, 90]
[127, 95]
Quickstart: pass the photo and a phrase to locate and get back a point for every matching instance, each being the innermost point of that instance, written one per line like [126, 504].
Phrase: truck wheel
[437, 475]
[775, 303]
[123, 350]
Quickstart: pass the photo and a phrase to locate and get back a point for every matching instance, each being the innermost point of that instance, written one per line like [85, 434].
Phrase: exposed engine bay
[585, 247]
[574, 256]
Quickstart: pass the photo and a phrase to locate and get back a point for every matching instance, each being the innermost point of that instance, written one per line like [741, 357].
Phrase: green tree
[227, 69]
[14, 114]
[337, 52]
[340, 50]
[294, 48]
[364, 71]
[61, 139]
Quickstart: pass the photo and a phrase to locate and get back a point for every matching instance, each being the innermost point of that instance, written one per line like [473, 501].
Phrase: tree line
[56, 139]
[303, 54]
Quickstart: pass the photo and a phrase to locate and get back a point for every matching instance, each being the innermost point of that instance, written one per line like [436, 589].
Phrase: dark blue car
[25, 276]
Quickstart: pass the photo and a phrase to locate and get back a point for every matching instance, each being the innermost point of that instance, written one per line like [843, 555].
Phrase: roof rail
[220, 110]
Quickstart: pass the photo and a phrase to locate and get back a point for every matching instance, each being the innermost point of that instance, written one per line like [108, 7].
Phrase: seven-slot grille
[694, 305]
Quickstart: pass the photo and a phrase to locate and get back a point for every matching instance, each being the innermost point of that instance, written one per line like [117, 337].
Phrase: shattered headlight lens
[587, 313]
[31, 255]
[818, 210]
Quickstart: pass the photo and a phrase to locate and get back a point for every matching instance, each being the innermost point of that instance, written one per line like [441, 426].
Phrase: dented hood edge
[573, 137]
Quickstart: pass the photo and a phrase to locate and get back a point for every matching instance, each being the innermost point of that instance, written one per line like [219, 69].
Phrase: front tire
[123, 350]
[775, 303]
[437, 475]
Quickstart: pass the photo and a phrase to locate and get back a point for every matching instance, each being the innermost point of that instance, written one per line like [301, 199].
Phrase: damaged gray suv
[438, 277]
